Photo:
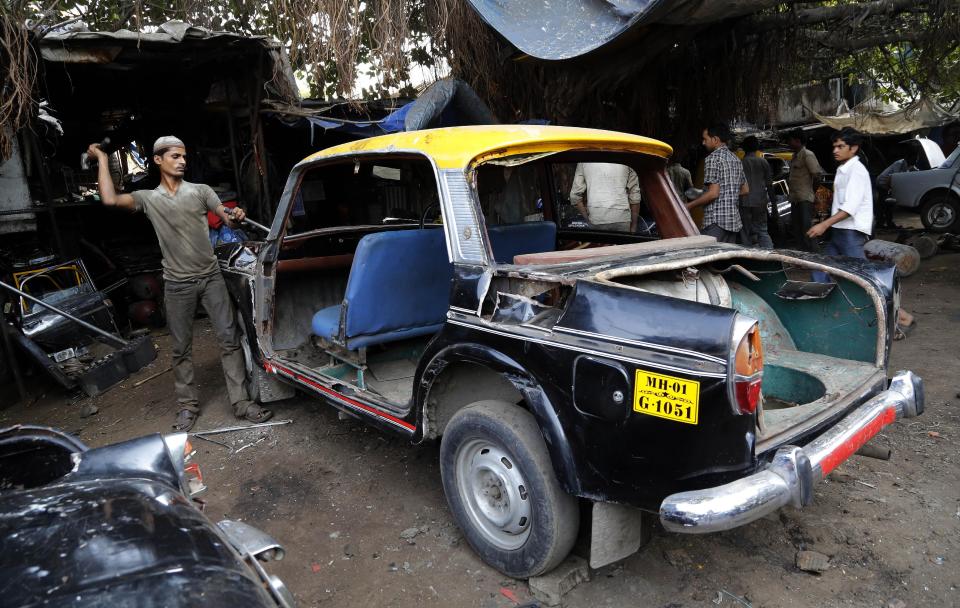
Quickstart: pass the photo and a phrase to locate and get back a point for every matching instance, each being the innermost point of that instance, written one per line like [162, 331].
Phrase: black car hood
[116, 542]
[117, 531]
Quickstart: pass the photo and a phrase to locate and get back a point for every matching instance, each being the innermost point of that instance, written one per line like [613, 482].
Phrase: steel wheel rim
[494, 493]
[941, 215]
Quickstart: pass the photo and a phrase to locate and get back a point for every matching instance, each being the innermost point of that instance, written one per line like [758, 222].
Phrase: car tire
[941, 213]
[251, 368]
[502, 490]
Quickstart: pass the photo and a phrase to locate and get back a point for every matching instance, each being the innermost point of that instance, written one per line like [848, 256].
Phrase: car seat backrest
[398, 280]
[509, 240]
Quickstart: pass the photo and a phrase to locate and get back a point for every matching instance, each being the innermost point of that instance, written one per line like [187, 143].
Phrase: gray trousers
[181, 298]
[722, 236]
[801, 218]
[754, 220]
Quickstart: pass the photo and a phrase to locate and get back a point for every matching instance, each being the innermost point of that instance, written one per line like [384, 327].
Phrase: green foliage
[326, 40]
[902, 73]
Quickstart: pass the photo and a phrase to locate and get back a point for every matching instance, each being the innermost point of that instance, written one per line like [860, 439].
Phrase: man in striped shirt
[724, 184]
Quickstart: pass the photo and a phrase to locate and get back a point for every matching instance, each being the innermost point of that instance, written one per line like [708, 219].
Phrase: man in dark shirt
[882, 208]
[805, 172]
[724, 182]
[753, 206]
[178, 211]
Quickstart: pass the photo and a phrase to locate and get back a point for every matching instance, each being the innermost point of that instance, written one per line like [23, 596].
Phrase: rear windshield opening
[590, 197]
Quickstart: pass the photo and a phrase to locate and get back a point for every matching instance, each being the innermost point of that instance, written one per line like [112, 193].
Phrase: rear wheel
[941, 213]
[502, 490]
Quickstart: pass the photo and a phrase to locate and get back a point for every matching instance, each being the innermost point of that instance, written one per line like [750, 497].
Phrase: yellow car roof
[458, 147]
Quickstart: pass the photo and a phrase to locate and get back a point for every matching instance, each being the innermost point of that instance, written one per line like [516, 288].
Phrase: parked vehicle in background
[115, 526]
[935, 193]
[429, 283]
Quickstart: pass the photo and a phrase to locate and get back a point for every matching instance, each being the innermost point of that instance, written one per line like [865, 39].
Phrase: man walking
[178, 211]
[753, 206]
[612, 195]
[805, 171]
[851, 219]
[725, 183]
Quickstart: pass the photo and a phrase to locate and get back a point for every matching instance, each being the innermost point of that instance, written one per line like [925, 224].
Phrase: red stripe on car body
[857, 440]
[345, 399]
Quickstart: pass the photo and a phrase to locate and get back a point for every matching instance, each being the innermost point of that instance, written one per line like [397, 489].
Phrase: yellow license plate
[666, 397]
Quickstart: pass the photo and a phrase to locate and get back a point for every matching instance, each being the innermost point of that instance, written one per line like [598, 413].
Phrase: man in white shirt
[851, 219]
[612, 195]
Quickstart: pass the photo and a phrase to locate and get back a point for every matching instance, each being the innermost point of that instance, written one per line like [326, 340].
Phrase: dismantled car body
[116, 526]
[71, 350]
[426, 283]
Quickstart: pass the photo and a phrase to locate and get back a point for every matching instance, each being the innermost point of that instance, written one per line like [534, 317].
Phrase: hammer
[87, 163]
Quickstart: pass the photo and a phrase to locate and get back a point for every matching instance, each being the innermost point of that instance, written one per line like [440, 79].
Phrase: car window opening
[589, 199]
[361, 233]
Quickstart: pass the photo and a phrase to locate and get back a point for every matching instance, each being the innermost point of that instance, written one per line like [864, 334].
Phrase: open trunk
[823, 344]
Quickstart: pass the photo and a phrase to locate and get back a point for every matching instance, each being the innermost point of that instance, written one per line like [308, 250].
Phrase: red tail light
[747, 372]
[748, 395]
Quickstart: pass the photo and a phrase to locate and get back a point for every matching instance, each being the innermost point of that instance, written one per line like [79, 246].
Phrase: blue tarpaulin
[445, 103]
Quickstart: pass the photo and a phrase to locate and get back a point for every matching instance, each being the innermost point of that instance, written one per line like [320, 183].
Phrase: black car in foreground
[116, 527]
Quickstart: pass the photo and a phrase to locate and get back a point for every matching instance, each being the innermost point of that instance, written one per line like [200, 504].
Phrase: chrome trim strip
[580, 349]
[466, 311]
[463, 227]
[641, 344]
[790, 477]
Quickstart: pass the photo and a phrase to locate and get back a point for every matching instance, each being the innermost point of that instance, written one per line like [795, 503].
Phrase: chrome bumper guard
[255, 545]
[790, 477]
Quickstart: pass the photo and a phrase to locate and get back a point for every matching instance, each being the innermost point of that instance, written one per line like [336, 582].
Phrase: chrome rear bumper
[790, 477]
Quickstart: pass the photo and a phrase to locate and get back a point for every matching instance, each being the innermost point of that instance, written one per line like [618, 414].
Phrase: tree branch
[840, 42]
[823, 14]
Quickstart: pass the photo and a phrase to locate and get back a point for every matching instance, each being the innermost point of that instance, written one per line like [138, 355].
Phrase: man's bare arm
[819, 229]
[108, 195]
[712, 193]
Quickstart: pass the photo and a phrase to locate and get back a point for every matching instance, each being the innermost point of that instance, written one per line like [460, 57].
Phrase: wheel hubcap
[941, 215]
[494, 493]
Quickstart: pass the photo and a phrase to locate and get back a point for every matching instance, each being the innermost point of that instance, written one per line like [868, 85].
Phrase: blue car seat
[399, 287]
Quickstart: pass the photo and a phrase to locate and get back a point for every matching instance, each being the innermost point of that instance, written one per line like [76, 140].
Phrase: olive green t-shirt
[180, 221]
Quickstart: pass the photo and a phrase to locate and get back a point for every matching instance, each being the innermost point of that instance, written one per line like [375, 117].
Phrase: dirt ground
[338, 495]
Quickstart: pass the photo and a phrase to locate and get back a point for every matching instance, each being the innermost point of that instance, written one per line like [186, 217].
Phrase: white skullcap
[167, 141]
